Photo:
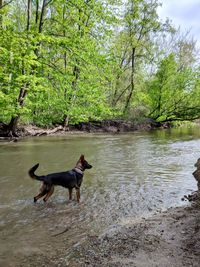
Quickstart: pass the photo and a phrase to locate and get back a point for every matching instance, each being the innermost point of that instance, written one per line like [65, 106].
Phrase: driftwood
[34, 131]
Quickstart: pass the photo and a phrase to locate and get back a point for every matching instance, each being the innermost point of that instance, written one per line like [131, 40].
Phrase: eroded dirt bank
[109, 126]
[171, 238]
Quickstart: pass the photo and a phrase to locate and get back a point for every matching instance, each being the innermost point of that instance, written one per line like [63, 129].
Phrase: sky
[183, 13]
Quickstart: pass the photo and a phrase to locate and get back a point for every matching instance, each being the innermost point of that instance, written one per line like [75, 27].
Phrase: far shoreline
[97, 127]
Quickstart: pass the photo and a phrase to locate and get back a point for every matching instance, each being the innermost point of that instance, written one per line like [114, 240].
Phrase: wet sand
[171, 238]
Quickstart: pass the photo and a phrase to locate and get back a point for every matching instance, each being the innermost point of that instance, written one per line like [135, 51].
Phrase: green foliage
[173, 93]
[71, 61]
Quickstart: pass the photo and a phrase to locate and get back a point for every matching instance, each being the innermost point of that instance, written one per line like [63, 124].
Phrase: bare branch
[7, 3]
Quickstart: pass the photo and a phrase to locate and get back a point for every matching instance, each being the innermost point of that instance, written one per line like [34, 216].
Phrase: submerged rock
[196, 173]
[195, 196]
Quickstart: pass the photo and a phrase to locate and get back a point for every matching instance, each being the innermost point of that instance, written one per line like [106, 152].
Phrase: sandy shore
[171, 238]
[166, 239]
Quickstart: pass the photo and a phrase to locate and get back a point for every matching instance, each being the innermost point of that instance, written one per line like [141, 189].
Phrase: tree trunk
[37, 12]
[1, 16]
[76, 73]
[28, 15]
[132, 85]
[12, 127]
[1, 4]
[42, 16]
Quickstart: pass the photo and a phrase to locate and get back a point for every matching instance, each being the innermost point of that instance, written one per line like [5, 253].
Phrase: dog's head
[197, 164]
[83, 163]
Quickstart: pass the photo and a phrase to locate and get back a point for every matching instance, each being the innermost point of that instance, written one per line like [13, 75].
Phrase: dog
[69, 179]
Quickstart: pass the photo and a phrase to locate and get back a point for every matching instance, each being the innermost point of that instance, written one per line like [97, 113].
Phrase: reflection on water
[132, 175]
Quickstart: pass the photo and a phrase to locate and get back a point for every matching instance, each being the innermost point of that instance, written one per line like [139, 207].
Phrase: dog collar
[78, 170]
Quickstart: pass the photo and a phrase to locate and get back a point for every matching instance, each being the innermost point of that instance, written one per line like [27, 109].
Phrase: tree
[54, 47]
[20, 51]
[134, 47]
[174, 92]
[66, 62]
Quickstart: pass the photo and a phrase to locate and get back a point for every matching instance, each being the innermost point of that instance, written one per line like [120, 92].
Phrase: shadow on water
[133, 174]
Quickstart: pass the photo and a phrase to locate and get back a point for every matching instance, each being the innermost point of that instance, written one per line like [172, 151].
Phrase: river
[133, 175]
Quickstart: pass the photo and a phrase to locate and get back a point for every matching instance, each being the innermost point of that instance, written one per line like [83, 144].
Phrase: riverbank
[112, 126]
[105, 126]
[171, 238]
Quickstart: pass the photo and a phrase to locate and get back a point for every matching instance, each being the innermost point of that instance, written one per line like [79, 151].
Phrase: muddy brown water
[133, 175]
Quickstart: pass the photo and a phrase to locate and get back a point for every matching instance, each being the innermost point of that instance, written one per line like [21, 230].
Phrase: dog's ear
[82, 158]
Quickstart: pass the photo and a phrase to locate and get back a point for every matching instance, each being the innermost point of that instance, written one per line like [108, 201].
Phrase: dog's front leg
[78, 195]
[70, 193]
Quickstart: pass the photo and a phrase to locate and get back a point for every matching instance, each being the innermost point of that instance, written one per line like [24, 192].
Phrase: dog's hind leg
[50, 192]
[43, 191]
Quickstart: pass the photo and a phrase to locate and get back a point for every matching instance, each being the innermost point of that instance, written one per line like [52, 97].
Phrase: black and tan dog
[69, 179]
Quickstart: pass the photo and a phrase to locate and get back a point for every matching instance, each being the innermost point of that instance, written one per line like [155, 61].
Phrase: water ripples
[132, 175]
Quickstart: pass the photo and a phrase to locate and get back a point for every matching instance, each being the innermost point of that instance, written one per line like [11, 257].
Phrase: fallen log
[48, 132]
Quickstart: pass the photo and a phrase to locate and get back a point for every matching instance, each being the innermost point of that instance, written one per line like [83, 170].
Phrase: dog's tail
[32, 174]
